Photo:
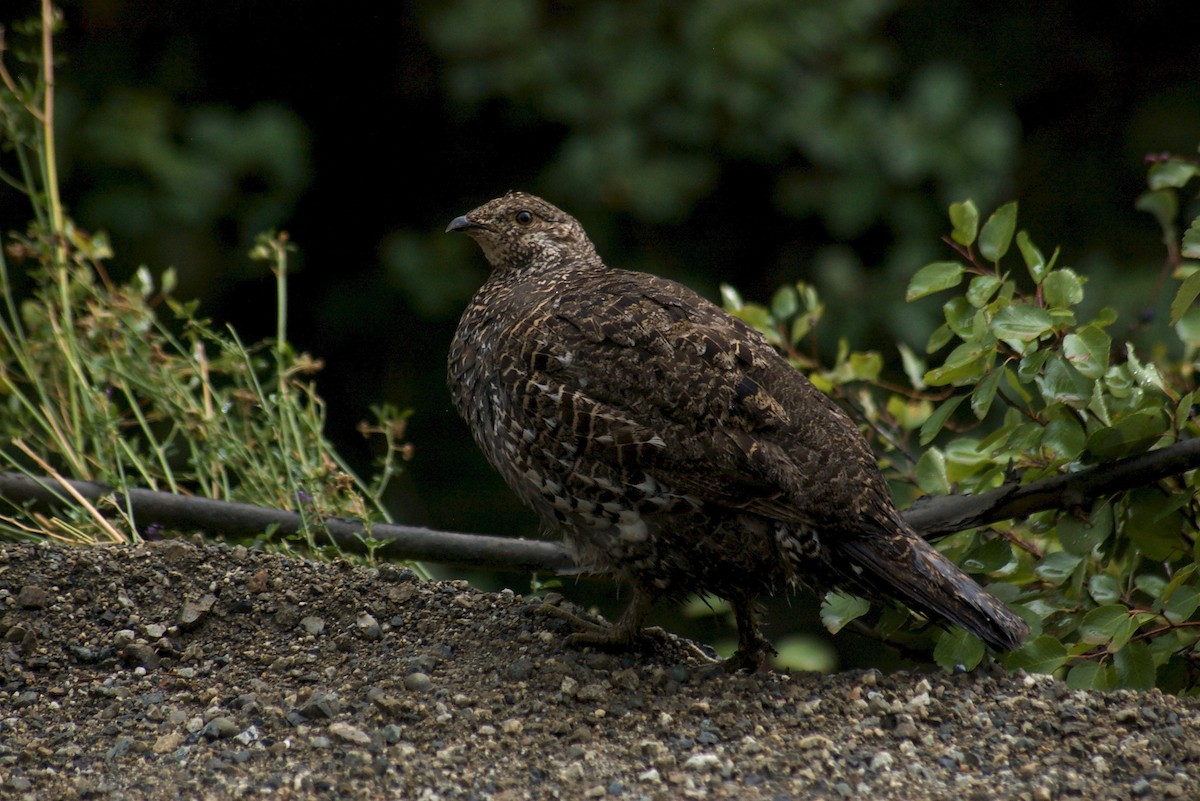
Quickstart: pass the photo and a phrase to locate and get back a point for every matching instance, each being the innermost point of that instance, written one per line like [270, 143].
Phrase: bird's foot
[752, 659]
[626, 634]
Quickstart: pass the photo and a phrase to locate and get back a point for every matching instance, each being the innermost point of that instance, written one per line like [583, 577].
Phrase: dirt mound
[173, 671]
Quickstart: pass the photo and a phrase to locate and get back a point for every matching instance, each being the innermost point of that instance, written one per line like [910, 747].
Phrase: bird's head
[523, 232]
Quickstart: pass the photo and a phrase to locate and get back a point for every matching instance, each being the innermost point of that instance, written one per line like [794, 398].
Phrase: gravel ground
[173, 670]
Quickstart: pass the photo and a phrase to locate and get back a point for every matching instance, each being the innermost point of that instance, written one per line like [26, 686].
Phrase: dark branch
[227, 518]
[945, 514]
[933, 516]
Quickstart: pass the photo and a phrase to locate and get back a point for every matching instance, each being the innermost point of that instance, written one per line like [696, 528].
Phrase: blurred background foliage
[754, 143]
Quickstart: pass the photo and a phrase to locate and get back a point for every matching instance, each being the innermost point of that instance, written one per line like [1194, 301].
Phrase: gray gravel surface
[177, 671]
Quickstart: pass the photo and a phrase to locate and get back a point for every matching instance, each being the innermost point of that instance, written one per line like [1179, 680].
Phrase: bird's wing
[654, 378]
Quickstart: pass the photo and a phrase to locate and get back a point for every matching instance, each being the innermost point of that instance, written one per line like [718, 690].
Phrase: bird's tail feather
[903, 566]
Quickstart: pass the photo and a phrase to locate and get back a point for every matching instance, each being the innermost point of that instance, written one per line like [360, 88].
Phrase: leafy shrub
[1018, 385]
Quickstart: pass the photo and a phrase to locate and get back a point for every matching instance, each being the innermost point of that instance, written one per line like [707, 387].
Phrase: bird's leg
[622, 634]
[753, 651]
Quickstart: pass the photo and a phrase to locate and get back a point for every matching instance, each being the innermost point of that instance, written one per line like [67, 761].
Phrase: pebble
[351, 734]
[418, 682]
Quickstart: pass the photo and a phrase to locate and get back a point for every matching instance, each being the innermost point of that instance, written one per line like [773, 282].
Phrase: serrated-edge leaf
[997, 233]
[1191, 240]
[840, 608]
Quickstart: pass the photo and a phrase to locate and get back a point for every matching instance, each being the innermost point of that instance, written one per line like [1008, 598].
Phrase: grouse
[672, 445]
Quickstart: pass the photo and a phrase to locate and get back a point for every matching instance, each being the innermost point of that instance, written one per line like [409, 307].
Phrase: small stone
[521, 669]
[418, 682]
[167, 743]
[124, 637]
[312, 624]
[702, 762]
[814, 741]
[591, 693]
[882, 761]
[368, 627]
[650, 776]
[572, 773]
[194, 612]
[220, 728]
[155, 630]
[351, 734]
[512, 726]
[31, 596]
[321, 706]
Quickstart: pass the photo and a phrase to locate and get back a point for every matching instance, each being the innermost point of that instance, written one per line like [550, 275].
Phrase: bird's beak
[462, 223]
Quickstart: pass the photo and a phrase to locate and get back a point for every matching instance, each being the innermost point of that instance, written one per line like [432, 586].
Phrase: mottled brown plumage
[671, 444]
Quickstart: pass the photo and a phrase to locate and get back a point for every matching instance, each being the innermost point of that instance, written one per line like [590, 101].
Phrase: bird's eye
[524, 217]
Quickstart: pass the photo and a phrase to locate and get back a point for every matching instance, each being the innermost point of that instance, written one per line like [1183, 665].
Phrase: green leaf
[839, 608]
[1056, 567]
[990, 557]
[938, 419]
[1081, 538]
[1153, 526]
[914, 366]
[934, 278]
[966, 364]
[1185, 296]
[731, 299]
[1062, 288]
[1182, 604]
[1104, 589]
[1087, 350]
[1191, 240]
[1042, 655]
[1090, 676]
[1164, 205]
[1063, 437]
[1018, 324]
[931, 473]
[1035, 262]
[938, 339]
[984, 393]
[784, 303]
[1061, 383]
[997, 233]
[981, 290]
[957, 648]
[965, 219]
[758, 317]
[1173, 173]
[1107, 624]
[1135, 667]
[1132, 434]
